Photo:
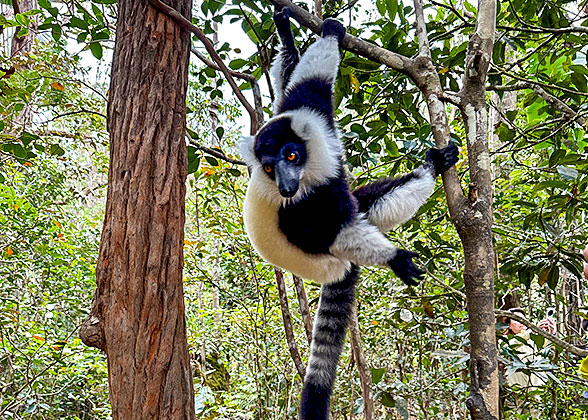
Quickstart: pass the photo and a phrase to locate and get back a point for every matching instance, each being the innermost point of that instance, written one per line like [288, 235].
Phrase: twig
[187, 25]
[215, 153]
[248, 77]
[303, 306]
[566, 346]
[81, 111]
[288, 323]
[365, 377]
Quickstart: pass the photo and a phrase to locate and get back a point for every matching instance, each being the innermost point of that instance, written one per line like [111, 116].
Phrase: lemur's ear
[246, 148]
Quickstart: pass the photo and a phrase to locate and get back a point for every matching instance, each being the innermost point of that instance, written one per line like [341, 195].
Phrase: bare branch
[257, 100]
[288, 323]
[318, 8]
[214, 153]
[566, 346]
[81, 111]
[421, 29]
[187, 25]
[303, 306]
[365, 377]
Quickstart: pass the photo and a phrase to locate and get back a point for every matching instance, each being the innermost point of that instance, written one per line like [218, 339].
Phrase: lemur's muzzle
[287, 178]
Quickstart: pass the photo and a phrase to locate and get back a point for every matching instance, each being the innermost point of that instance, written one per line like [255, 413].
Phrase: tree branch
[248, 77]
[288, 323]
[214, 153]
[566, 346]
[303, 306]
[365, 377]
[187, 25]
[350, 43]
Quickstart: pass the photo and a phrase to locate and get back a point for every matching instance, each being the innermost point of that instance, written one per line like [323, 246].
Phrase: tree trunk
[138, 312]
[24, 43]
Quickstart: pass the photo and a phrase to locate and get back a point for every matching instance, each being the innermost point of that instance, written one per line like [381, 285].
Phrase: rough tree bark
[24, 43]
[138, 313]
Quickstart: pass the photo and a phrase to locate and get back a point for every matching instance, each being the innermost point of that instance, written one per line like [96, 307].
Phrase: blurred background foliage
[53, 171]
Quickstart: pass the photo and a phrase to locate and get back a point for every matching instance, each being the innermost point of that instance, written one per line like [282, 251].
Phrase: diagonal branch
[303, 306]
[566, 346]
[288, 323]
[187, 25]
[248, 77]
[214, 153]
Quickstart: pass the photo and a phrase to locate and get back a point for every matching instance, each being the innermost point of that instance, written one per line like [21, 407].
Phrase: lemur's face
[282, 155]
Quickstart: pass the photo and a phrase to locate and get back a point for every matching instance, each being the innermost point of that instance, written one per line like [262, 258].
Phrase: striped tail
[328, 337]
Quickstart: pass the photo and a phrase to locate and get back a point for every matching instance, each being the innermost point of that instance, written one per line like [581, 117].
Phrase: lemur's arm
[363, 244]
[311, 83]
[288, 57]
[391, 201]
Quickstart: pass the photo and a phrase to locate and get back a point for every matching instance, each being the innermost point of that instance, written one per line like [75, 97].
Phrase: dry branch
[303, 306]
[288, 323]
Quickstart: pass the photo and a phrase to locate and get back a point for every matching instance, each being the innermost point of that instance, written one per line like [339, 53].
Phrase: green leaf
[377, 374]
[96, 49]
[237, 63]
[76, 22]
[45, 4]
[220, 132]
[56, 150]
[211, 161]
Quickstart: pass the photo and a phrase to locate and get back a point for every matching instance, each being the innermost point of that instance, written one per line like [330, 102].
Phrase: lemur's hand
[405, 269]
[332, 27]
[441, 160]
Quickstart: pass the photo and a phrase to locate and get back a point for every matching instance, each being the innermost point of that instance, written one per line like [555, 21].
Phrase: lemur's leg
[288, 57]
[363, 244]
[311, 83]
[392, 201]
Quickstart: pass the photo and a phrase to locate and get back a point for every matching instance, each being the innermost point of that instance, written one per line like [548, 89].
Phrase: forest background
[411, 358]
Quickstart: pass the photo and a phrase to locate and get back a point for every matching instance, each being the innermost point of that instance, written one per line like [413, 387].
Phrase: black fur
[313, 223]
[310, 94]
[292, 57]
[442, 159]
[404, 268]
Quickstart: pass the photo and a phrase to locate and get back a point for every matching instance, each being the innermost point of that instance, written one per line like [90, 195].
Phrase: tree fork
[137, 316]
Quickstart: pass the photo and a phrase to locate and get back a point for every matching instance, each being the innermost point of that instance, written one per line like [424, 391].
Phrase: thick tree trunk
[138, 313]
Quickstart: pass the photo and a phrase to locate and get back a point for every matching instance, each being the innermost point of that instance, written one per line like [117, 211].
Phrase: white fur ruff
[261, 220]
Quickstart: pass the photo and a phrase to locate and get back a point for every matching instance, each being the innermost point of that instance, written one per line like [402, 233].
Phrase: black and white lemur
[300, 213]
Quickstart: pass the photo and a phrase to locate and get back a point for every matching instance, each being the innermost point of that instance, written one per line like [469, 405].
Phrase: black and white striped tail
[328, 336]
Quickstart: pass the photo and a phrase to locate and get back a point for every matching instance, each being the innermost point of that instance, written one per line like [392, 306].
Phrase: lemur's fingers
[404, 267]
[442, 159]
[332, 27]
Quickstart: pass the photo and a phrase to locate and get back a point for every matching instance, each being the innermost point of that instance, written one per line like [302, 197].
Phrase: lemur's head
[295, 151]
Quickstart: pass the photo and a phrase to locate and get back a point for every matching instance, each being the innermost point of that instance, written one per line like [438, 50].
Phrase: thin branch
[187, 25]
[81, 111]
[365, 377]
[257, 100]
[303, 306]
[288, 323]
[318, 8]
[214, 153]
[566, 346]
[421, 29]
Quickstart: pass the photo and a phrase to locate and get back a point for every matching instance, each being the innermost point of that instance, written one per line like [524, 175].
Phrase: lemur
[299, 211]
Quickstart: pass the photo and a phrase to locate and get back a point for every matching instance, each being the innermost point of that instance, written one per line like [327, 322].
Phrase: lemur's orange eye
[291, 156]
[267, 168]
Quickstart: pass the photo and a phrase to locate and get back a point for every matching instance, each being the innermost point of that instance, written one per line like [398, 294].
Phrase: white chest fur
[261, 220]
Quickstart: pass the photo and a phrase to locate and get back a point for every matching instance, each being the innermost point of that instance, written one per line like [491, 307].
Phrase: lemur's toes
[443, 159]
[404, 267]
[332, 27]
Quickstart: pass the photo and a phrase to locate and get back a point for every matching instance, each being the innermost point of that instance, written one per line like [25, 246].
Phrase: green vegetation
[53, 172]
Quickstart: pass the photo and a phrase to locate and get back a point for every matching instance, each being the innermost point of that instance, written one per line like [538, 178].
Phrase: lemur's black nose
[288, 191]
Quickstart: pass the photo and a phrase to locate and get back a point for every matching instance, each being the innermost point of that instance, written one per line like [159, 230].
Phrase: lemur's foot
[442, 159]
[332, 27]
[405, 269]
[282, 14]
